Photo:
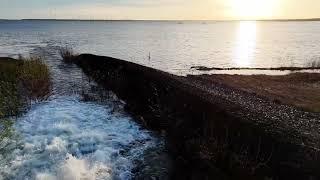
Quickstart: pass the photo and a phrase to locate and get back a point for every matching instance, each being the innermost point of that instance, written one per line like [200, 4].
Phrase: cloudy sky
[160, 9]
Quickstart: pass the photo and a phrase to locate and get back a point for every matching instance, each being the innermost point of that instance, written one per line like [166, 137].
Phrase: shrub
[20, 82]
[34, 77]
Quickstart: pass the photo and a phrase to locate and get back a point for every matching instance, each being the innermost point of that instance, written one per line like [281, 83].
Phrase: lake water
[66, 137]
[172, 46]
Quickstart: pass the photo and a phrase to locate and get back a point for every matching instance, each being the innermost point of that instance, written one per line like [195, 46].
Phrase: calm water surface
[173, 46]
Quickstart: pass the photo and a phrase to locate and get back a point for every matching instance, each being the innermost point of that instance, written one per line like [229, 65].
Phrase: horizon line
[71, 19]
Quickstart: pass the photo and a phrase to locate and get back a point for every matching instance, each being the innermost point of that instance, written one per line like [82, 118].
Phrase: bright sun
[251, 9]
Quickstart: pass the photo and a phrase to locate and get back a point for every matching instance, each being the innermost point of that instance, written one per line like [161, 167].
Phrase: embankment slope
[210, 123]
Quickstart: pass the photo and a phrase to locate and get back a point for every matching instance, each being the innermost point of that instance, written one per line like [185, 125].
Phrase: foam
[65, 138]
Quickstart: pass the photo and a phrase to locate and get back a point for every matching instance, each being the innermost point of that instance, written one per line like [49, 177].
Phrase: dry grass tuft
[21, 81]
[67, 54]
[34, 76]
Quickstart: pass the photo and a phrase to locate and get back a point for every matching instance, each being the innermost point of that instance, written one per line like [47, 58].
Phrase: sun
[252, 9]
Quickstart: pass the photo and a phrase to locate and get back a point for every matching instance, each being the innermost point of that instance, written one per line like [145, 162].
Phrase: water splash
[68, 139]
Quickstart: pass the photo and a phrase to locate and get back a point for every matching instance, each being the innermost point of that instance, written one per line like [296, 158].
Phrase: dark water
[173, 46]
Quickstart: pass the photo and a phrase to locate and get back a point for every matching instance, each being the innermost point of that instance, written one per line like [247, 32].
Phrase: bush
[34, 76]
[22, 81]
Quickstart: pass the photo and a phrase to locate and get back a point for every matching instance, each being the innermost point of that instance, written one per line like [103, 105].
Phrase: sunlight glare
[246, 43]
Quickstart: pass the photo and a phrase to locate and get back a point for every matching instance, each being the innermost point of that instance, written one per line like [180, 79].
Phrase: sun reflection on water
[245, 43]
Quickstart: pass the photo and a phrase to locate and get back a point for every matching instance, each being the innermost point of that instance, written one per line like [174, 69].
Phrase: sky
[159, 9]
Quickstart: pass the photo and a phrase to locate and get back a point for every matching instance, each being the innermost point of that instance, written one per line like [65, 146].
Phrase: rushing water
[68, 138]
[173, 46]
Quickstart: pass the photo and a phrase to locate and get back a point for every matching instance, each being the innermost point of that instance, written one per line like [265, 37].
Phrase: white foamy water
[66, 138]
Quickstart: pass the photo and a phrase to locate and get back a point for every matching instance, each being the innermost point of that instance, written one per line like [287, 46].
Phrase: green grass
[9, 100]
[21, 81]
[34, 76]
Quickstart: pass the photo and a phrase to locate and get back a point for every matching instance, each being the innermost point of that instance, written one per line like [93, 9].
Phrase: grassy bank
[21, 81]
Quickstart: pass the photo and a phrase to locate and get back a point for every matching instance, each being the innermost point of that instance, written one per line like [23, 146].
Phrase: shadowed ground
[234, 123]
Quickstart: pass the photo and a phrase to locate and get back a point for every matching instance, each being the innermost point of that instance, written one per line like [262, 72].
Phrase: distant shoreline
[115, 20]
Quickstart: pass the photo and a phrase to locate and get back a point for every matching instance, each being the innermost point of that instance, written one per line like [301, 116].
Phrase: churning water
[67, 139]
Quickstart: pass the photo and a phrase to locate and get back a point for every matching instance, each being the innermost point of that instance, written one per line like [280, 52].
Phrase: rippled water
[173, 46]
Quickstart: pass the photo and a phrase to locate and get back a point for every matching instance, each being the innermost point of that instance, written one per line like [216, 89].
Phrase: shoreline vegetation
[216, 125]
[21, 81]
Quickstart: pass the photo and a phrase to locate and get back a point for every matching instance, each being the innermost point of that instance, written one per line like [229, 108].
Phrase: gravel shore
[277, 112]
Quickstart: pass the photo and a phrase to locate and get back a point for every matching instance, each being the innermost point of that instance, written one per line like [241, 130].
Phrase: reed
[34, 77]
[22, 81]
